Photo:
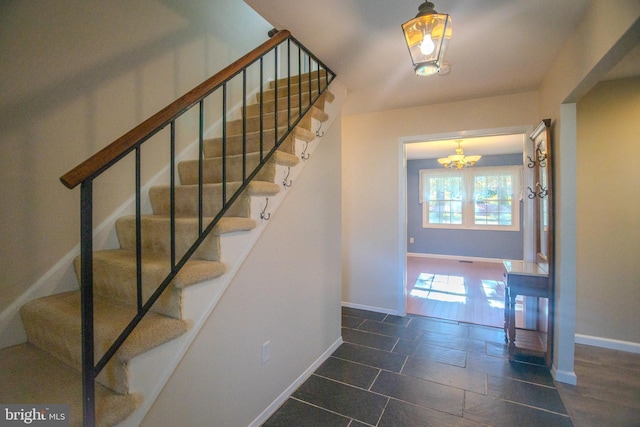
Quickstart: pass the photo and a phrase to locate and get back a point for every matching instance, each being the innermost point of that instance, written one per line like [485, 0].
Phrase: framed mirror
[542, 193]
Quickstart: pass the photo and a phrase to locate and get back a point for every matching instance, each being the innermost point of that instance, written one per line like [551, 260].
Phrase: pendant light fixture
[458, 160]
[427, 36]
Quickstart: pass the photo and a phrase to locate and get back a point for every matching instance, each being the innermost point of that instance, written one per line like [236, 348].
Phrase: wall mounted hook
[286, 182]
[263, 214]
[304, 155]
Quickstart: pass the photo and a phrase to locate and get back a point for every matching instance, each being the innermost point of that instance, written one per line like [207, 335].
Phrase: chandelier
[458, 160]
[427, 36]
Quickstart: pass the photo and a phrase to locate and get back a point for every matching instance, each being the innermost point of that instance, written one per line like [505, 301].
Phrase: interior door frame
[529, 237]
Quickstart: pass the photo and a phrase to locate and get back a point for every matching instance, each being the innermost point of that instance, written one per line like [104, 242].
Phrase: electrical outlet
[410, 239]
[266, 352]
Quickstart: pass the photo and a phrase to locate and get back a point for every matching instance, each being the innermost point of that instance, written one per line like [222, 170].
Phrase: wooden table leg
[512, 325]
[506, 314]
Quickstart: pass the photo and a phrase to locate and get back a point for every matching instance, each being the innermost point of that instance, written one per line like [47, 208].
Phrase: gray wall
[468, 243]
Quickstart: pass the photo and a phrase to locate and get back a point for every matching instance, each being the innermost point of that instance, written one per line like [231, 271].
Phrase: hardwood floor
[471, 292]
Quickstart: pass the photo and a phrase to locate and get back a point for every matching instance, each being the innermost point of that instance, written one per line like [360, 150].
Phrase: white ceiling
[498, 47]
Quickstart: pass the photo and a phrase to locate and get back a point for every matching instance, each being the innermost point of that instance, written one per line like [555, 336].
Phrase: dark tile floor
[418, 371]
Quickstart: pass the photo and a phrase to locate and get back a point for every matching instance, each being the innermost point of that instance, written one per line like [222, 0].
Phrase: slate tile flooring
[418, 371]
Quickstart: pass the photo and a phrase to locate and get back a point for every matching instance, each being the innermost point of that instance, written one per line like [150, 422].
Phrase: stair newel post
[86, 298]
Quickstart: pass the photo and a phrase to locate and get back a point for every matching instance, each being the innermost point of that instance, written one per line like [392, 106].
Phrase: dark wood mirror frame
[543, 197]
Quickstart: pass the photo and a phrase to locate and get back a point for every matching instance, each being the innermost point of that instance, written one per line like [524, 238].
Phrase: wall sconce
[427, 36]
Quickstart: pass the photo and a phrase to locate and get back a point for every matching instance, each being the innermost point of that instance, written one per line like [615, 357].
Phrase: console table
[530, 280]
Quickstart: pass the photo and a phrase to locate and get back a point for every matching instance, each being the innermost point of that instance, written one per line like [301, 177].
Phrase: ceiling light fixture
[427, 36]
[458, 160]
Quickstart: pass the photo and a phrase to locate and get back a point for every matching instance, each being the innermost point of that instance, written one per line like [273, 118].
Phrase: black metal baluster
[261, 108]
[86, 298]
[201, 167]
[224, 145]
[244, 125]
[299, 81]
[289, 84]
[309, 77]
[275, 112]
[138, 233]
[172, 192]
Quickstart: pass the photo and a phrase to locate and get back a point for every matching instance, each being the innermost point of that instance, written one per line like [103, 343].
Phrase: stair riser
[282, 93]
[295, 87]
[270, 106]
[213, 147]
[235, 127]
[48, 336]
[119, 282]
[186, 201]
[304, 77]
[115, 277]
[156, 237]
[212, 170]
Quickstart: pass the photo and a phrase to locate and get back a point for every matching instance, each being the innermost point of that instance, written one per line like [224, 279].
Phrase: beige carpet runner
[46, 369]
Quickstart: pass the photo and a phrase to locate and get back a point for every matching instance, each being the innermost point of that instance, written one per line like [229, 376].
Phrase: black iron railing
[280, 50]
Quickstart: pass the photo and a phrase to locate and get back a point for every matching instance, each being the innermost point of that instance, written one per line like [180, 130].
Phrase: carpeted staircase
[46, 369]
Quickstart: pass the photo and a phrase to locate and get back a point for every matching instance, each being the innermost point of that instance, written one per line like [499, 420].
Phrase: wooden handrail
[97, 163]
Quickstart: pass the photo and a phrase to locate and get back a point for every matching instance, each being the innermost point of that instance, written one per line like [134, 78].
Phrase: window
[479, 198]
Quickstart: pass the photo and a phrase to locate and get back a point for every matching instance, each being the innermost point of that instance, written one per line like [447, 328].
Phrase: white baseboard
[631, 347]
[271, 409]
[457, 257]
[564, 376]
[370, 308]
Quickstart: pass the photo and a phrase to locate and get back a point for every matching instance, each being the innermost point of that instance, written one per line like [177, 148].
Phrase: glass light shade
[458, 160]
[427, 36]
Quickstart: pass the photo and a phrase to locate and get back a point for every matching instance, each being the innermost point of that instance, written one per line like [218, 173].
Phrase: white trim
[458, 257]
[402, 229]
[370, 308]
[564, 376]
[631, 347]
[468, 196]
[273, 407]
[402, 191]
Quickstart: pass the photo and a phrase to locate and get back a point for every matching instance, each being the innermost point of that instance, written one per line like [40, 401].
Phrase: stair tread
[32, 376]
[194, 271]
[225, 224]
[110, 318]
[297, 132]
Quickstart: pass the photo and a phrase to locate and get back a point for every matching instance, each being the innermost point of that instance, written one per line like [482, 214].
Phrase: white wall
[608, 226]
[288, 292]
[371, 198]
